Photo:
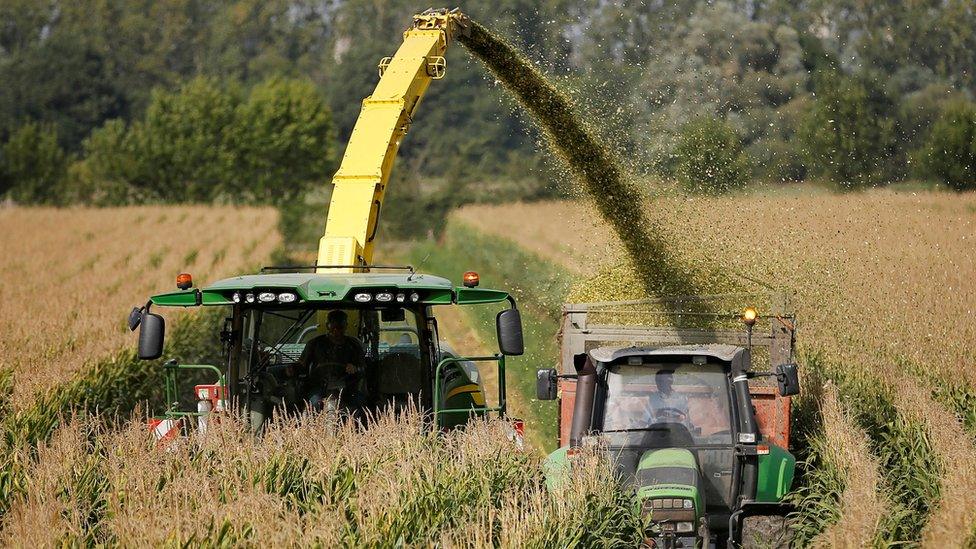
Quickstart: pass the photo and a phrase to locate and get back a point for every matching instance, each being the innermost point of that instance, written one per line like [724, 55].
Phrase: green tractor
[387, 322]
[687, 426]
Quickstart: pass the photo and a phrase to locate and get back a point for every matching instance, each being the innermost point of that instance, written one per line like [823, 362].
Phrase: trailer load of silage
[655, 271]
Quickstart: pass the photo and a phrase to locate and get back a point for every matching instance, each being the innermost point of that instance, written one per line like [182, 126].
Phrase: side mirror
[788, 378]
[151, 336]
[509, 326]
[546, 387]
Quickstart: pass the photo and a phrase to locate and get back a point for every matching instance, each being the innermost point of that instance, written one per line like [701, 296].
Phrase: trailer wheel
[766, 531]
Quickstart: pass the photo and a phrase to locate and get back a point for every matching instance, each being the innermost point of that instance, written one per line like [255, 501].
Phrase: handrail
[316, 266]
[172, 390]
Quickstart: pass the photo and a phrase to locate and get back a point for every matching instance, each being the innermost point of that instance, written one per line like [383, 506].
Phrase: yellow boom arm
[360, 182]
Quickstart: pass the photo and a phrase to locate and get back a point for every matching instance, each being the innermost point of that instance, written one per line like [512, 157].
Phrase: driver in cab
[666, 404]
[333, 363]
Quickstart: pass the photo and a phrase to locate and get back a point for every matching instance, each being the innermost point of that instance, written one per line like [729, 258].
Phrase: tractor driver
[666, 404]
[333, 363]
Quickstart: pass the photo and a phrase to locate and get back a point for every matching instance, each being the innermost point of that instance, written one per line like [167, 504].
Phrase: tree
[702, 69]
[848, 133]
[208, 140]
[709, 157]
[950, 150]
[285, 141]
[33, 165]
[185, 143]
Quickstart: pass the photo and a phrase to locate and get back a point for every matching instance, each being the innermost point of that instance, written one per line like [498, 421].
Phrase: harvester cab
[684, 417]
[385, 353]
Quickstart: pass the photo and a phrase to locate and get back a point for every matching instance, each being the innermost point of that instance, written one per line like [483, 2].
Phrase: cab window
[645, 397]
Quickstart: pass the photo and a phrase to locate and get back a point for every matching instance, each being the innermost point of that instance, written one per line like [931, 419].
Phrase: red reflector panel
[519, 427]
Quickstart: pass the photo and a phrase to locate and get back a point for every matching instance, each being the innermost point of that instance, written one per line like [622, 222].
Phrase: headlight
[401, 298]
[685, 527]
[236, 297]
[363, 297]
[287, 297]
[689, 504]
[249, 298]
[266, 297]
[384, 297]
[414, 297]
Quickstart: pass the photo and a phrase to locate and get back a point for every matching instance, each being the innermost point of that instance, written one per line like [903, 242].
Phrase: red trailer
[649, 323]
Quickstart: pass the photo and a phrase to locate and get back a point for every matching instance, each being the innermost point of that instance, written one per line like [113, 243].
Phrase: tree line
[112, 101]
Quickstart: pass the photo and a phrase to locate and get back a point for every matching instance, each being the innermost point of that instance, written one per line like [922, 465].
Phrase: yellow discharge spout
[386, 115]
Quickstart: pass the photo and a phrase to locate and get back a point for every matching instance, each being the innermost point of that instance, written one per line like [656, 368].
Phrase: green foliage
[709, 157]
[702, 69]
[284, 131]
[777, 160]
[109, 162]
[209, 141]
[817, 499]
[642, 70]
[185, 146]
[848, 133]
[908, 463]
[950, 149]
[78, 64]
[114, 386]
[33, 165]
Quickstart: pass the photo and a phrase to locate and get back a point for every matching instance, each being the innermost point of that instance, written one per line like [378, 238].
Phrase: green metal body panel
[671, 458]
[326, 288]
[477, 296]
[667, 457]
[775, 474]
[556, 468]
[458, 397]
[188, 298]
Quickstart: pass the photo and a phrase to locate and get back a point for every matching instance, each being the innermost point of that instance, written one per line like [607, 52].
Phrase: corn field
[312, 481]
[69, 277]
[80, 469]
[883, 287]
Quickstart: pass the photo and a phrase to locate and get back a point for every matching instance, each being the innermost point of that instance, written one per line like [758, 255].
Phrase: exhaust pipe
[585, 392]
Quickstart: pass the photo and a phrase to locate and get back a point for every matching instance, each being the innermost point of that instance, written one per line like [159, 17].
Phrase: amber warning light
[471, 279]
[749, 316]
[184, 281]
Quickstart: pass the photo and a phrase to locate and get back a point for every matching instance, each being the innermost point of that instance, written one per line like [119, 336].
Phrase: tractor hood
[668, 483]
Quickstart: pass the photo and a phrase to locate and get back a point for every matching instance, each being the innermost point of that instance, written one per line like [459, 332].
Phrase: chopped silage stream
[594, 165]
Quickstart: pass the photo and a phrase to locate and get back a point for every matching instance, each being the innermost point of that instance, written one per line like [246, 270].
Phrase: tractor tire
[766, 532]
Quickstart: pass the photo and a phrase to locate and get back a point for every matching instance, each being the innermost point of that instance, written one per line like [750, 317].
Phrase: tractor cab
[685, 425]
[353, 342]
